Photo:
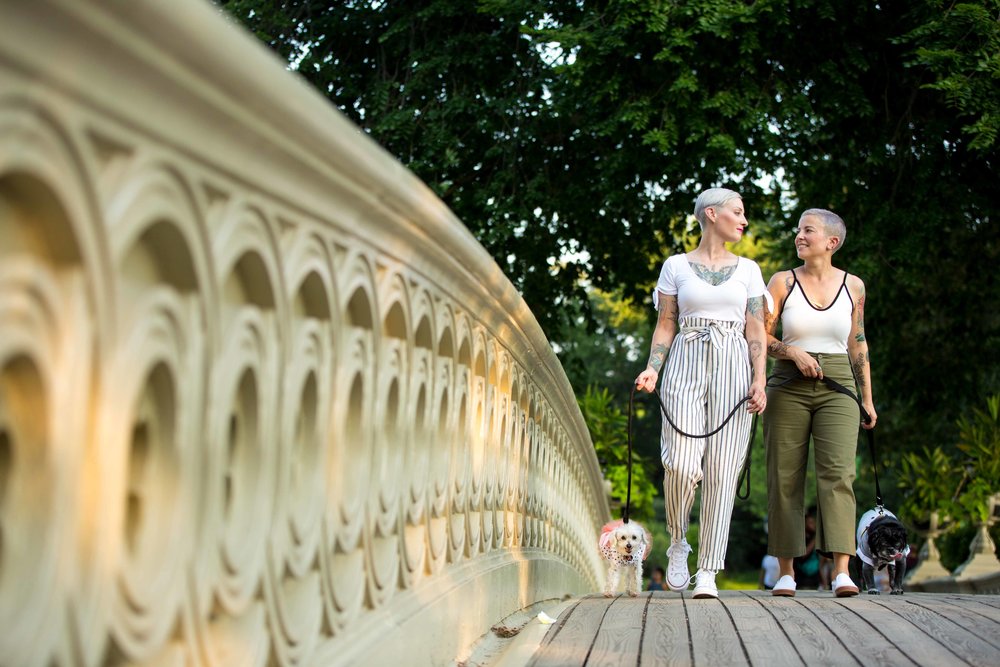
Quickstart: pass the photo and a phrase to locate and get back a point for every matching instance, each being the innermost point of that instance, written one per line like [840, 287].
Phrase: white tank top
[817, 329]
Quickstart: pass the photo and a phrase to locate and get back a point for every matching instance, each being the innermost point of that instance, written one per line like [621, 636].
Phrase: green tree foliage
[961, 47]
[572, 138]
[458, 92]
[608, 351]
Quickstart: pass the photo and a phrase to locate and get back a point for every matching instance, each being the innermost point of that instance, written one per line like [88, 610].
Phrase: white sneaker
[843, 587]
[704, 584]
[784, 587]
[678, 575]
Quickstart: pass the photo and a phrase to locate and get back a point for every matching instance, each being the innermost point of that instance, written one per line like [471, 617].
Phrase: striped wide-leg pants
[708, 371]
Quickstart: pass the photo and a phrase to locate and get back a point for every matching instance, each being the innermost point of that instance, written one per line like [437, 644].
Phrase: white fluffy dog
[624, 546]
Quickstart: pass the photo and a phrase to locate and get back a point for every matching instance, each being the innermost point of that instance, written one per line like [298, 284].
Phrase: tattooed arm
[663, 336]
[756, 338]
[780, 287]
[857, 347]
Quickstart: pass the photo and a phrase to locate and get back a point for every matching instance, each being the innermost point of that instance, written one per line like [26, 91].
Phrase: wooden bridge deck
[753, 627]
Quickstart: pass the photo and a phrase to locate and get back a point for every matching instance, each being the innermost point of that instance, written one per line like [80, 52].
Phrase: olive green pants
[795, 411]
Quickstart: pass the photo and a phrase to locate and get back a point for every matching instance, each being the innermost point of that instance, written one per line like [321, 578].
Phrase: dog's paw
[607, 594]
[633, 594]
[899, 592]
[873, 592]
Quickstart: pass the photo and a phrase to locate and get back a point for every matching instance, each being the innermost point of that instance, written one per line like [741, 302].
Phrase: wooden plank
[812, 639]
[862, 639]
[932, 621]
[557, 627]
[913, 640]
[763, 639]
[665, 637]
[972, 605]
[618, 639]
[572, 638]
[990, 600]
[975, 622]
[665, 628]
[713, 634]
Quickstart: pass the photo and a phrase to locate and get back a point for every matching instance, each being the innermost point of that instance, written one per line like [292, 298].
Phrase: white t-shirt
[697, 298]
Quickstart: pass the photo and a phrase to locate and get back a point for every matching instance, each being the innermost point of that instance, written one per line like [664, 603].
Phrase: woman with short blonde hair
[715, 360]
[821, 311]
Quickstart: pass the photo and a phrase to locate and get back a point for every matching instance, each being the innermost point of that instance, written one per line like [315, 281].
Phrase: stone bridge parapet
[263, 399]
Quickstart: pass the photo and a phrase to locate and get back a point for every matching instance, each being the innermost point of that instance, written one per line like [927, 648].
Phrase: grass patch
[738, 581]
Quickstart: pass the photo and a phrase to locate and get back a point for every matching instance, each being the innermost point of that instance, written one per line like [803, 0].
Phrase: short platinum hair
[712, 198]
[832, 223]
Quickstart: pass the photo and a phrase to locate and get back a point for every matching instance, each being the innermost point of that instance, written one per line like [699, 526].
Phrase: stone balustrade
[263, 399]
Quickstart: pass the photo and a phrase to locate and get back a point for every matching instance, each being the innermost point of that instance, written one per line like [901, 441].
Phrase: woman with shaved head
[821, 311]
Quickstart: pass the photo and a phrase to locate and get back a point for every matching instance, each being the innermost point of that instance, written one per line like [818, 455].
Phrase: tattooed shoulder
[859, 311]
[755, 306]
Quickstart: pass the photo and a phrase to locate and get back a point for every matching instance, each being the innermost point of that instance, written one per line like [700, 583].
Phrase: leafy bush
[979, 439]
[929, 482]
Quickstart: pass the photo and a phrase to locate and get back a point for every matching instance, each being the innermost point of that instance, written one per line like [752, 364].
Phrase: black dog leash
[744, 472]
[744, 478]
[666, 415]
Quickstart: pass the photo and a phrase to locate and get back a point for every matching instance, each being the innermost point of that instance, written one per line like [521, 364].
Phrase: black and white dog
[882, 543]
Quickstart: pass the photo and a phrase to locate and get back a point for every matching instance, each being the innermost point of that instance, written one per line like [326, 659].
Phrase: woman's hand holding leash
[758, 398]
[646, 380]
[806, 363]
[870, 409]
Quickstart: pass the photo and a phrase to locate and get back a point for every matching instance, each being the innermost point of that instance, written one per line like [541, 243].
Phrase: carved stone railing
[263, 399]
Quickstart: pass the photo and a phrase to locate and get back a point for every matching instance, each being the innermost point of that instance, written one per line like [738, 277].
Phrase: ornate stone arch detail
[54, 310]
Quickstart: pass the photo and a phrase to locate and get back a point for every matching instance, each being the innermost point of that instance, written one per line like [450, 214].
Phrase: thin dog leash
[744, 477]
[747, 461]
[663, 410]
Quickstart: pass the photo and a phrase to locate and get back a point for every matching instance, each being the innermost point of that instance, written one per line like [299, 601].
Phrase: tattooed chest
[711, 274]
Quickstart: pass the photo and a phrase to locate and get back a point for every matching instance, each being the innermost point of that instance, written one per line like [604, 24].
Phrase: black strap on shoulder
[836, 386]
